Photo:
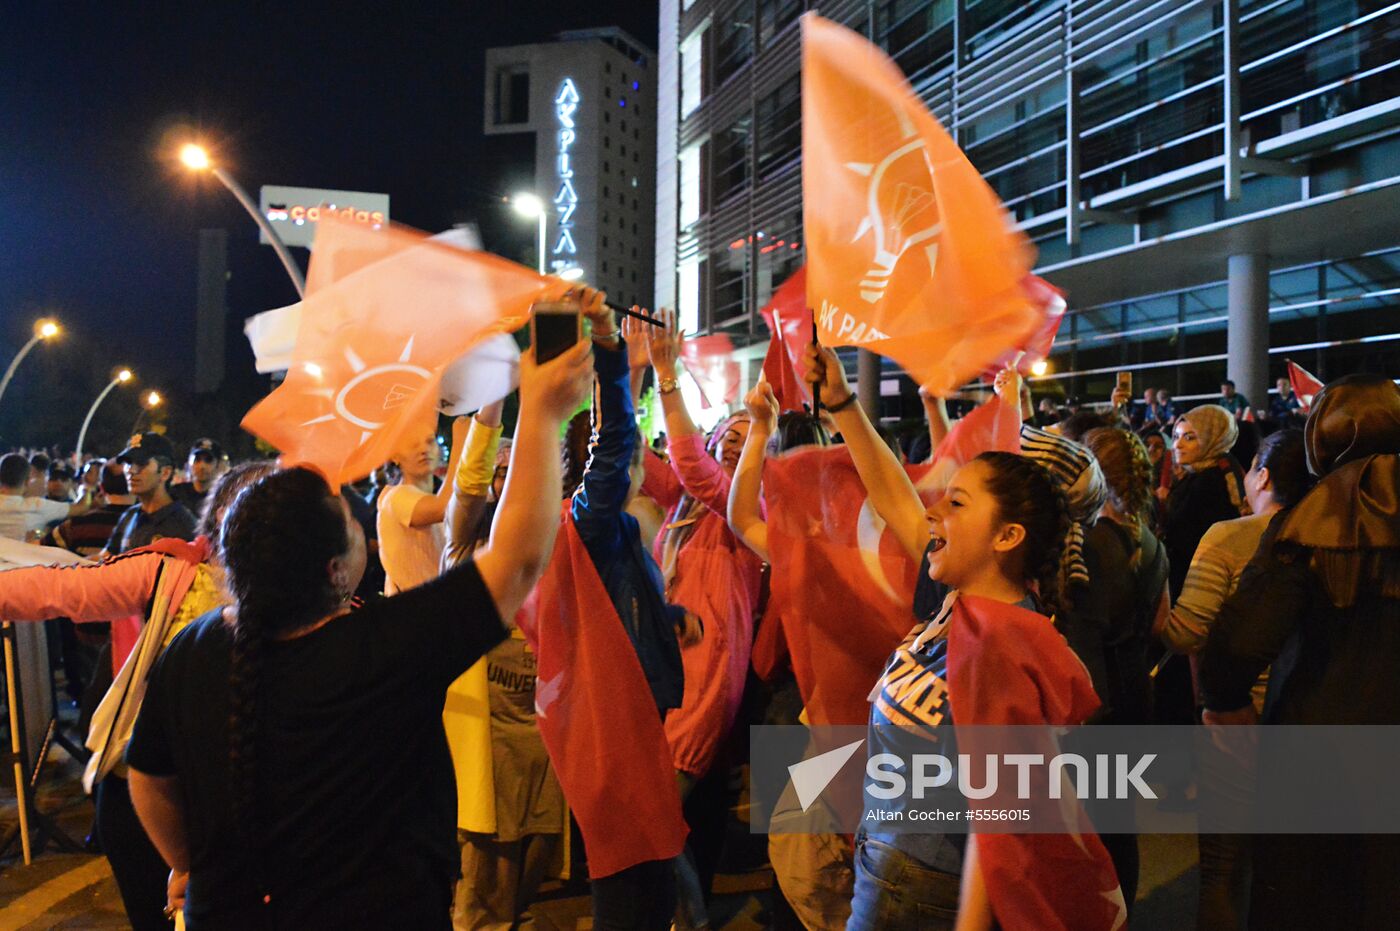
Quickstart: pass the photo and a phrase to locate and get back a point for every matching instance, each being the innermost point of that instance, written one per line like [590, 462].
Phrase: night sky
[99, 226]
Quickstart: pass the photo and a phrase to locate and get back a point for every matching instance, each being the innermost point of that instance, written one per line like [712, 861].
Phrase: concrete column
[868, 383]
[1247, 345]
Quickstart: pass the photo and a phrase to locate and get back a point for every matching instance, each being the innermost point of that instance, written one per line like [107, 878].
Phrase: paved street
[76, 891]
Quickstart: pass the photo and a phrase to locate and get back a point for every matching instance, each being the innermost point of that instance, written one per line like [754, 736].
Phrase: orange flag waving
[385, 312]
[909, 252]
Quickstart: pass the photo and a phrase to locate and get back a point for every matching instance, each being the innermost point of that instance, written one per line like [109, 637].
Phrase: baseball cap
[143, 447]
[207, 447]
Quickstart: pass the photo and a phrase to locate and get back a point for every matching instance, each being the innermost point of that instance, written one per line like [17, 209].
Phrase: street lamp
[196, 158]
[1039, 368]
[531, 207]
[44, 329]
[150, 402]
[119, 377]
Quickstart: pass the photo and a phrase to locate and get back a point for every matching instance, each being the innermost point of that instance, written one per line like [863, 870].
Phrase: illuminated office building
[1215, 185]
[589, 98]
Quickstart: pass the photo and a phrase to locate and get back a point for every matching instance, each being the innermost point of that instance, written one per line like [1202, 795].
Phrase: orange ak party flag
[385, 312]
[909, 252]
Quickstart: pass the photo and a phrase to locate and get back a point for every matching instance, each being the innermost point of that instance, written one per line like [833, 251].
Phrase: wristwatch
[667, 385]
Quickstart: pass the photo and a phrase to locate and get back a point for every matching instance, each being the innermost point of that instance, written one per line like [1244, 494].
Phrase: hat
[207, 447]
[143, 447]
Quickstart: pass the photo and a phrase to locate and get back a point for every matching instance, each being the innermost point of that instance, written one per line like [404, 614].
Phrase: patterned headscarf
[1216, 431]
[1076, 472]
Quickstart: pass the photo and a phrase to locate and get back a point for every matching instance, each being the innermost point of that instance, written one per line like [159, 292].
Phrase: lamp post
[43, 330]
[197, 159]
[120, 377]
[150, 402]
[532, 208]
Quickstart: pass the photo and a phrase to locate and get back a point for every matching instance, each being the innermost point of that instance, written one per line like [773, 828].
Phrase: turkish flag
[910, 254]
[598, 718]
[842, 586]
[385, 312]
[1304, 383]
[1009, 666]
[790, 327]
[710, 361]
[1050, 301]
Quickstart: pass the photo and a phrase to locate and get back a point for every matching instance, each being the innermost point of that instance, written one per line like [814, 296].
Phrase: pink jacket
[118, 590]
[717, 578]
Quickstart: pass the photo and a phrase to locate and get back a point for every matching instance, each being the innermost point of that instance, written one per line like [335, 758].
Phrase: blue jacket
[614, 539]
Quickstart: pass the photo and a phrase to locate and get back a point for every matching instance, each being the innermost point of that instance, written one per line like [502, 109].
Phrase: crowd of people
[390, 705]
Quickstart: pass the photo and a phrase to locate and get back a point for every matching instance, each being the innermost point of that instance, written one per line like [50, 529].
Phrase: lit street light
[43, 330]
[1039, 368]
[150, 402]
[532, 208]
[196, 158]
[119, 377]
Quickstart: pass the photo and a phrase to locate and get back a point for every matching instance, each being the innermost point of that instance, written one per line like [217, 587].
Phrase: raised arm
[607, 479]
[936, 410]
[744, 513]
[889, 487]
[664, 347]
[527, 519]
[472, 481]
[432, 509]
[117, 588]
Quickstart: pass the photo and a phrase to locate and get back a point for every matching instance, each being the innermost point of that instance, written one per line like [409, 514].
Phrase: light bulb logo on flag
[902, 212]
[372, 391]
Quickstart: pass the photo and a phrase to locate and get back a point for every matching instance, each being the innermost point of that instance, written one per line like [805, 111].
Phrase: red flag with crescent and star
[790, 331]
[385, 312]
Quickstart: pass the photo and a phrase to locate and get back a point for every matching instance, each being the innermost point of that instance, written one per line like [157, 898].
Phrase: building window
[607, 117]
[773, 16]
[918, 35]
[622, 150]
[731, 279]
[688, 296]
[607, 67]
[605, 266]
[605, 165]
[733, 40]
[605, 242]
[694, 69]
[690, 186]
[779, 119]
[731, 158]
[511, 102]
[605, 190]
[780, 254]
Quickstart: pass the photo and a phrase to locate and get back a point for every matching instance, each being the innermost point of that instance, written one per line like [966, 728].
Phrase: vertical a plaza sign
[566, 102]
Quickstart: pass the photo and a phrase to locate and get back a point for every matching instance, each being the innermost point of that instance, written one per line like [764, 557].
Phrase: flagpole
[816, 386]
[629, 312]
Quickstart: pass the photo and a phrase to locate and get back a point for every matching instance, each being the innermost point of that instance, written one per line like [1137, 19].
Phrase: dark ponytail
[276, 540]
[1284, 454]
[1026, 495]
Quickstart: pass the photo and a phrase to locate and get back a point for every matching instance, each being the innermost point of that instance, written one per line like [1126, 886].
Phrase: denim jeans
[893, 890]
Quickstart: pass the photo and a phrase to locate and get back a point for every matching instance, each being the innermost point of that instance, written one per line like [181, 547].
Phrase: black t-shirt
[192, 498]
[135, 528]
[355, 800]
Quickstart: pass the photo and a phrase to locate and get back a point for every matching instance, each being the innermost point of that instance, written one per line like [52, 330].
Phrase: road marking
[33, 904]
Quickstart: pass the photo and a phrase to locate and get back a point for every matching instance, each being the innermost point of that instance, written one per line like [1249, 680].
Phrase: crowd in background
[274, 742]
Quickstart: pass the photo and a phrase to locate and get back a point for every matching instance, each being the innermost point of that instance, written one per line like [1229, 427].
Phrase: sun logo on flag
[372, 391]
[901, 210]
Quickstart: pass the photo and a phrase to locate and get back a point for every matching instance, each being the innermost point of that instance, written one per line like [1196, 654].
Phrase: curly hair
[573, 450]
[276, 539]
[224, 490]
[1027, 495]
[1127, 469]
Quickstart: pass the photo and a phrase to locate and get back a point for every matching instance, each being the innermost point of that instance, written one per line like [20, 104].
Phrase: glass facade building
[1214, 184]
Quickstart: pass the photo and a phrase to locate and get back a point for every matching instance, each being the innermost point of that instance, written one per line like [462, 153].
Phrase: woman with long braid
[169, 583]
[315, 789]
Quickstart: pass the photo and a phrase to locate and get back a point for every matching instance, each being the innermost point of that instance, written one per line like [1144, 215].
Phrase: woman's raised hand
[664, 343]
[762, 406]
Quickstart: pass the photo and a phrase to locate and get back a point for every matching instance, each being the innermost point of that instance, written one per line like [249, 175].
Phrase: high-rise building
[1213, 183]
[589, 98]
